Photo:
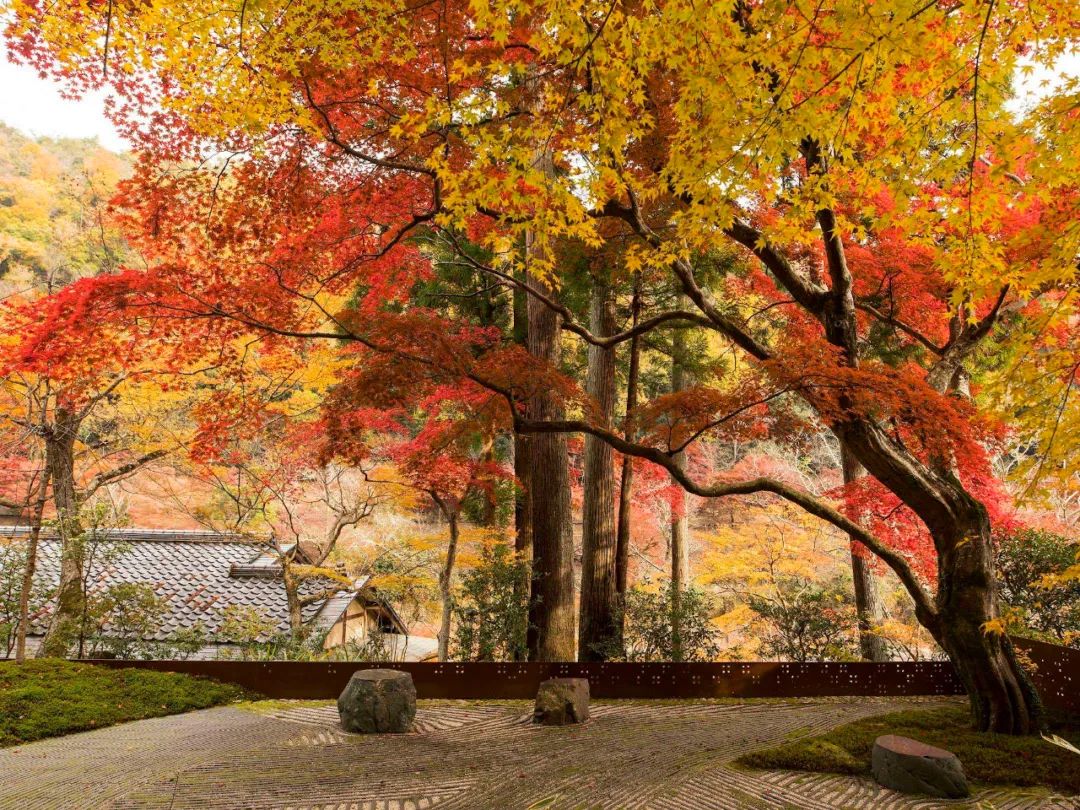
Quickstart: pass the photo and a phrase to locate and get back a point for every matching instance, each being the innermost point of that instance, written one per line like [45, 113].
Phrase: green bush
[1025, 559]
[647, 617]
[491, 609]
[807, 621]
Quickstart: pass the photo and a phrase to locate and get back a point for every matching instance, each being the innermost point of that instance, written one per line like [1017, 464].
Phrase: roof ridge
[153, 535]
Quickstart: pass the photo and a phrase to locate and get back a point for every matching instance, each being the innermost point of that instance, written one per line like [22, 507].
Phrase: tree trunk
[596, 628]
[489, 508]
[292, 598]
[1002, 697]
[965, 619]
[680, 519]
[27, 586]
[522, 498]
[445, 576]
[626, 484]
[523, 491]
[869, 608]
[60, 462]
[551, 634]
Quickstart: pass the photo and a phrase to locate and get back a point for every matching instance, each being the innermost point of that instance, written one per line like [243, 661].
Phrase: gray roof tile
[191, 571]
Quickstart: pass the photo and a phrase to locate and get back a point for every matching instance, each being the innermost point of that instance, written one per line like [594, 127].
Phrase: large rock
[378, 701]
[910, 766]
[562, 702]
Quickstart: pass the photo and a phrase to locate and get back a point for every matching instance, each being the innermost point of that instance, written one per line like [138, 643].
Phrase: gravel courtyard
[461, 755]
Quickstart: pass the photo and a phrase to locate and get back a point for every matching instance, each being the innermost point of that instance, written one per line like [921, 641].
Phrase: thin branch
[123, 471]
[805, 500]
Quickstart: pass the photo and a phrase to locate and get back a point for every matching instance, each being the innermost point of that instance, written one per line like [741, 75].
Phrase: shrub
[248, 629]
[124, 617]
[806, 621]
[491, 609]
[1027, 563]
[647, 615]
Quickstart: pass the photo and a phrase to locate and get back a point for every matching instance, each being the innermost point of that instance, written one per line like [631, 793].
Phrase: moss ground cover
[48, 698]
[987, 758]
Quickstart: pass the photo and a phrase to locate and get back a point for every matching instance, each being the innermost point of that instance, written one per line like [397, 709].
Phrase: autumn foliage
[866, 240]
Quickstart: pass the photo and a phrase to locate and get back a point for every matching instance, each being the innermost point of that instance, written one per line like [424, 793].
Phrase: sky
[35, 106]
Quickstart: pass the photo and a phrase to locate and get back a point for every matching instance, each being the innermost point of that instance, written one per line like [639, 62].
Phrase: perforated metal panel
[295, 679]
[1056, 673]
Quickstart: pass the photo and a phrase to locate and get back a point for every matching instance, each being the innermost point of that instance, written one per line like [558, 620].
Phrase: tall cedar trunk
[626, 484]
[966, 614]
[522, 493]
[868, 604]
[445, 576]
[30, 568]
[680, 519]
[596, 624]
[522, 498]
[60, 462]
[551, 634]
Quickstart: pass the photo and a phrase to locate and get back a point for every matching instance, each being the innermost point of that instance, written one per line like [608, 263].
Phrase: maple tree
[81, 426]
[430, 438]
[800, 139]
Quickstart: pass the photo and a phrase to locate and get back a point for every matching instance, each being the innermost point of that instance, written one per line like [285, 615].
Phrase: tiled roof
[191, 570]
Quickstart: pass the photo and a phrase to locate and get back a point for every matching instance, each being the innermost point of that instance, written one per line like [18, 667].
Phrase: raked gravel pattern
[461, 756]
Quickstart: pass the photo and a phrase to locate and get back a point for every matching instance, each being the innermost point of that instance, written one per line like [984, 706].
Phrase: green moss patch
[994, 759]
[48, 698]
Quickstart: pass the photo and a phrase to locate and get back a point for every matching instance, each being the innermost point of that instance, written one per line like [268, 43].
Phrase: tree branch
[811, 296]
[124, 470]
[806, 501]
[907, 329]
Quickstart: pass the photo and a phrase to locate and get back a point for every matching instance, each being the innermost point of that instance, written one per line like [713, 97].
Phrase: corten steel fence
[1056, 674]
[313, 680]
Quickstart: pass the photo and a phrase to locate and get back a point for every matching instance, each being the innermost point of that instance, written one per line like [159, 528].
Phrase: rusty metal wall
[315, 680]
[1056, 673]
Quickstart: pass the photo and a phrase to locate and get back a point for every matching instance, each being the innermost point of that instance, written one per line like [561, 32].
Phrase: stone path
[462, 756]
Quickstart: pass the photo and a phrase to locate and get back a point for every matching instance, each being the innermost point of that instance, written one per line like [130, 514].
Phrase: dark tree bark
[963, 614]
[551, 635]
[291, 583]
[868, 603]
[523, 490]
[450, 512]
[680, 518]
[626, 483]
[965, 618]
[522, 501]
[597, 630]
[60, 465]
[522, 498]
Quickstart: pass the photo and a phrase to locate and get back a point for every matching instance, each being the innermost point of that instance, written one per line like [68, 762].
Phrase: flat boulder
[562, 702]
[378, 701]
[910, 766]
